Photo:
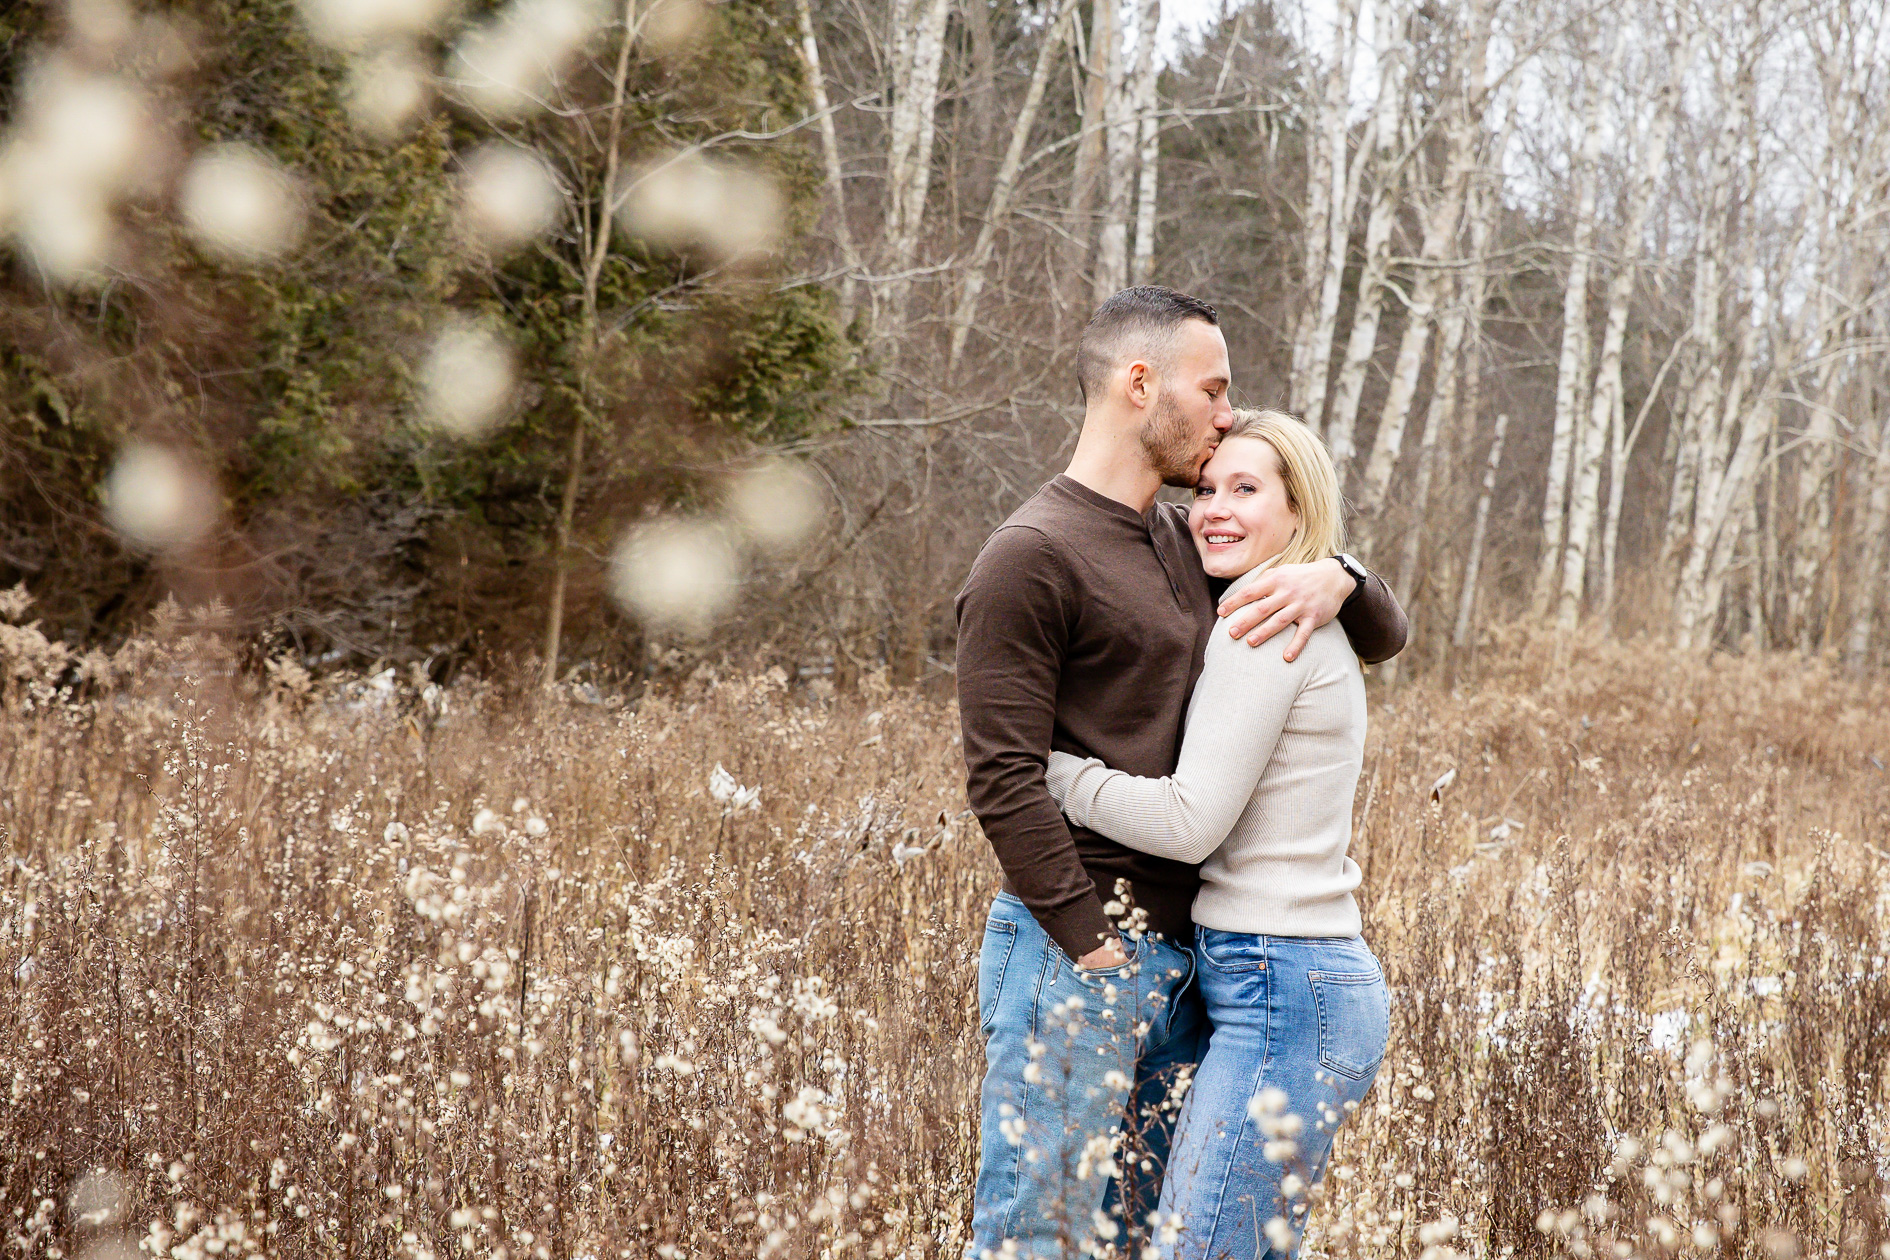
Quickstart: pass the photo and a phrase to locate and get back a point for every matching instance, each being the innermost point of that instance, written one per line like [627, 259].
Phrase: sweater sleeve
[1013, 622]
[1241, 705]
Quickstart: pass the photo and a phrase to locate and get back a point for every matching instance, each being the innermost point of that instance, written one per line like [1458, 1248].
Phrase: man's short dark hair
[1139, 322]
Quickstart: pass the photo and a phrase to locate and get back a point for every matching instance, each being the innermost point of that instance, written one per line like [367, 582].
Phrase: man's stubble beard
[1168, 441]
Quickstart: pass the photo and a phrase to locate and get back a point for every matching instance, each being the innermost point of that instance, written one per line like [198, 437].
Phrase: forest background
[443, 333]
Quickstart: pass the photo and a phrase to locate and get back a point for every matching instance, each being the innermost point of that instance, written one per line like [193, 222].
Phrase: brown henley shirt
[1081, 629]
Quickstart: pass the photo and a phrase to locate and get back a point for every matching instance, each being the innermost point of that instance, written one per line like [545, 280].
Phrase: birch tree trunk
[1147, 102]
[1001, 189]
[909, 165]
[830, 161]
[1572, 365]
[1473, 564]
[1388, 170]
[1119, 141]
[1605, 404]
[1078, 230]
[1811, 535]
[1724, 477]
[1868, 592]
[1328, 222]
[1701, 381]
[1441, 222]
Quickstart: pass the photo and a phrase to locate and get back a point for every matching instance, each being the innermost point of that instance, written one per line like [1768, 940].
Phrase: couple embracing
[1177, 1007]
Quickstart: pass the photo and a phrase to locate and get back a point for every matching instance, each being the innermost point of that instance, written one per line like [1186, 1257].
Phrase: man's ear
[1140, 383]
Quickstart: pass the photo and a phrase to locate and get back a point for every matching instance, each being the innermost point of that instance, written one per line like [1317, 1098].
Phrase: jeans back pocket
[1000, 937]
[1354, 1020]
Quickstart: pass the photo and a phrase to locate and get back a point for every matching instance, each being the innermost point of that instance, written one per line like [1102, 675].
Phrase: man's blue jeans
[1300, 1025]
[1063, 1050]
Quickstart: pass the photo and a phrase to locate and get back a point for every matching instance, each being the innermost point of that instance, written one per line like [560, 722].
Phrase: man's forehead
[1201, 346]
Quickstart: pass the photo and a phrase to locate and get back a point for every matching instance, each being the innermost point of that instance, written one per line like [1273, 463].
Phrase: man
[1081, 628]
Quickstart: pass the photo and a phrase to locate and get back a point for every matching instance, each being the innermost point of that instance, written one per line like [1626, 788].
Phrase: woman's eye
[1202, 492]
[1246, 487]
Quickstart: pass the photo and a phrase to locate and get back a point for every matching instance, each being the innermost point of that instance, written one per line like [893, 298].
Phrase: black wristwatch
[1351, 565]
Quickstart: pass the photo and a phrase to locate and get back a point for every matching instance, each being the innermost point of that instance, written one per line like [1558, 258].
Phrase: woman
[1263, 792]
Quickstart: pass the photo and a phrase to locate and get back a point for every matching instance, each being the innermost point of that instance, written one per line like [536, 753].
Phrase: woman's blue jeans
[1299, 1029]
[1064, 1049]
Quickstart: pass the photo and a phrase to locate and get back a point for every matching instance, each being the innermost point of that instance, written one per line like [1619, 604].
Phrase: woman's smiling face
[1241, 515]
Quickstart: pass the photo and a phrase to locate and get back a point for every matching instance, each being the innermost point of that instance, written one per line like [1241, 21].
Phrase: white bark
[1700, 383]
[1811, 538]
[1328, 222]
[1473, 563]
[1724, 478]
[1441, 221]
[1623, 445]
[830, 160]
[1572, 364]
[1388, 171]
[1119, 142]
[909, 159]
[1605, 404]
[1006, 181]
[1142, 259]
[1092, 107]
[1868, 592]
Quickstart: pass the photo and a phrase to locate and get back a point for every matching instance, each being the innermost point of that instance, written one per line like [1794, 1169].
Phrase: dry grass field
[353, 971]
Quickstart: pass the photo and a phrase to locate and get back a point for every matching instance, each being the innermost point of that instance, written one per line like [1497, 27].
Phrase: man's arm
[1308, 596]
[1013, 619]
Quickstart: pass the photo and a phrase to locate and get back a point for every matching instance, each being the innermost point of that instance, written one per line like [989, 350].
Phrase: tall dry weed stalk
[365, 969]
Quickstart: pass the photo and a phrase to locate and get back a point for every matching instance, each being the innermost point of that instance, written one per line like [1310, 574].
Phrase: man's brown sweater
[1081, 629]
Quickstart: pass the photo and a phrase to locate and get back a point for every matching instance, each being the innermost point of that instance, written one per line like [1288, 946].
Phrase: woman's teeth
[1222, 538]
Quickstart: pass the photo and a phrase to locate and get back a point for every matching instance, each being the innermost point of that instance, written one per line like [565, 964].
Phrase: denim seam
[1006, 1228]
[1313, 979]
[986, 1022]
[1240, 1130]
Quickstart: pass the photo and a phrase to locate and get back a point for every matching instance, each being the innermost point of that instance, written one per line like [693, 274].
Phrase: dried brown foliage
[361, 970]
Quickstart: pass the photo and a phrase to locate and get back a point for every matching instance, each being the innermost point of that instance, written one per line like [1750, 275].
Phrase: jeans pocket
[1000, 937]
[1232, 952]
[1354, 1020]
[1095, 977]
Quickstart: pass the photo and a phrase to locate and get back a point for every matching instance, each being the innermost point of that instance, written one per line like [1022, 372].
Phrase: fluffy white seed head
[83, 142]
[67, 232]
[689, 200]
[1280, 1234]
[156, 500]
[104, 24]
[676, 574]
[386, 92]
[111, 1246]
[778, 504]
[467, 380]
[98, 1199]
[240, 204]
[356, 24]
[85, 129]
[672, 26]
[510, 196]
[509, 65]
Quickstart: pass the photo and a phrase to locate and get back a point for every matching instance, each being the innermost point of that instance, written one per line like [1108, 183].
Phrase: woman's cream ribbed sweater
[1263, 790]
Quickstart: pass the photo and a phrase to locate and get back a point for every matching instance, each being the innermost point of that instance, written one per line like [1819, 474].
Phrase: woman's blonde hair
[1312, 483]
